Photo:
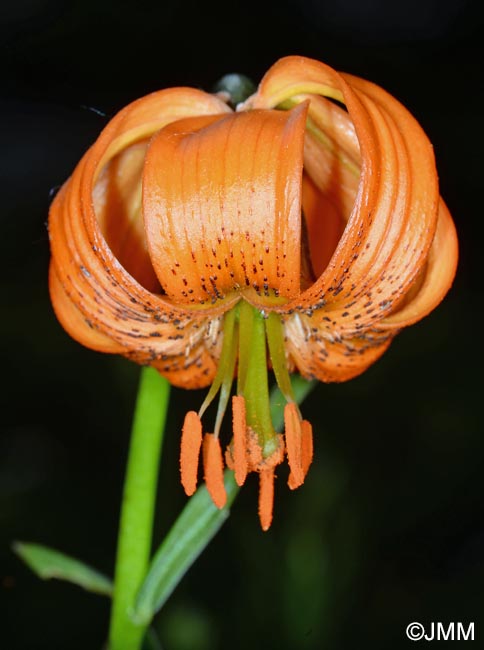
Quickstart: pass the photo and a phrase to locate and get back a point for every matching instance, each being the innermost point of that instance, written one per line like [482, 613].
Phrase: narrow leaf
[198, 523]
[48, 563]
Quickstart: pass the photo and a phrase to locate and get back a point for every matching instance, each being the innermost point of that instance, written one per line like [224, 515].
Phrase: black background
[388, 527]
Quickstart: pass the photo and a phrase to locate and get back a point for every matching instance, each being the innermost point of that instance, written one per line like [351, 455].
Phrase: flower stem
[137, 511]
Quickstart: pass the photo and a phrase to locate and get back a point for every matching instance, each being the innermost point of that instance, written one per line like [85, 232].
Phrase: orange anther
[213, 468]
[266, 497]
[306, 453]
[293, 435]
[191, 441]
[240, 452]
[307, 445]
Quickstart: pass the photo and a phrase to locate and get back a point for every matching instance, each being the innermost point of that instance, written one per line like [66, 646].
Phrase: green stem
[137, 512]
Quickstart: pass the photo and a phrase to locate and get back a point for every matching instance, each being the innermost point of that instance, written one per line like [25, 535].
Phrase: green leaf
[198, 523]
[48, 563]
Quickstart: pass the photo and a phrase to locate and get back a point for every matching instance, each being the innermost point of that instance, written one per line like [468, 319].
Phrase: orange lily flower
[300, 232]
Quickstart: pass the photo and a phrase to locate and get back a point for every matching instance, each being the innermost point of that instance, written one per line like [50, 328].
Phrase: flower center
[248, 336]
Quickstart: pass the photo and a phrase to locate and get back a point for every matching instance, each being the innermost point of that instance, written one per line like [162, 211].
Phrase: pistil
[253, 383]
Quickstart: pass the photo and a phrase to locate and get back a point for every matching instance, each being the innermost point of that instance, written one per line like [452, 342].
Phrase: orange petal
[115, 299]
[291, 76]
[318, 350]
[325, 224]
[384, 245]
[266, 497]
[332, 157]
[214, 469]
[143, 117]
[73, 321]
[195, 368]
[222, 204]
[439, 273]
[393, 222]
[240, 443]
[117, 201]
[191, 442]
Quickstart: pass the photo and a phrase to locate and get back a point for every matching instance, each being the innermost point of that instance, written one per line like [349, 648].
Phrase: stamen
[306, 453]
[226, 362]
[214, 469]
[191, 441]
[266, 497]
[240, 439]
[275, 340]
[255, 447]
[293, 434]
[230, 339]
[307, 446]
[212, 454]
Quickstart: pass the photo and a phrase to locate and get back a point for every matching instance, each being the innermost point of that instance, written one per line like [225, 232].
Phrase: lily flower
[300, 232]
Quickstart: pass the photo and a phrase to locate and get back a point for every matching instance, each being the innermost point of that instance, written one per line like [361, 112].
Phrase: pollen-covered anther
[253, 460]
[266, 497]
[213, 468]
[240, 442]
[306, 454]
[293, 433]
[191, 441]
[266, 470]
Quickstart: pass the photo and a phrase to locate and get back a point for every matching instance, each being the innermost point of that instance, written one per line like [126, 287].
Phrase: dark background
[389, 526]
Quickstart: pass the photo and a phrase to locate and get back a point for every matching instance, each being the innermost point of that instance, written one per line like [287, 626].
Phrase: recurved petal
[402, 214]
[87, 271]
[438, 275]
[325, 224]
[327, 356]
[117, 203]
[331, 154]
[222, 205]
[73, 321]
[143, 117]
[390, 230]
[291, 76]
[185, 353]
[194, 368]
